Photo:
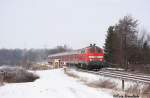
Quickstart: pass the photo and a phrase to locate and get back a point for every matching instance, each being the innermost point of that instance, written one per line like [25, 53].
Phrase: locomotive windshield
[98, 50]
[92, 50]
[95, 50]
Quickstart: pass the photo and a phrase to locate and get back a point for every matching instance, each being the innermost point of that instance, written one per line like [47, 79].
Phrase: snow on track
[52, 84]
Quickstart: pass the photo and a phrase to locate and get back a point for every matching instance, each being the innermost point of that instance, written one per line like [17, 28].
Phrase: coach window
[83, 51]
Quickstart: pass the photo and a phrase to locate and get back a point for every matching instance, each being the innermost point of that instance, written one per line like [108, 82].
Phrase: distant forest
[22, 57]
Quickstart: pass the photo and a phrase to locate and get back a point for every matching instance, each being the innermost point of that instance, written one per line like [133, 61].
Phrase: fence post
[122, 84]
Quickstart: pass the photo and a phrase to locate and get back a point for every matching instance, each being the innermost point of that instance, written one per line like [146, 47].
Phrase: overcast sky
[76, 23]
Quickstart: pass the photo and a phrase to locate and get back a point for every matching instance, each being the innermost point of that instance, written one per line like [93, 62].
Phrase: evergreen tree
[108, 48]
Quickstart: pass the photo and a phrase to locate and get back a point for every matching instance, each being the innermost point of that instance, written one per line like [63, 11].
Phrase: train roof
[66, 53]
[73, 51]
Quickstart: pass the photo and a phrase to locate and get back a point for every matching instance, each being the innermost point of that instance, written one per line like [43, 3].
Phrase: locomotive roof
[92, 46]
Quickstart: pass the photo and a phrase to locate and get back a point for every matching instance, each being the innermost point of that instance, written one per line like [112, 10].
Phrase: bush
[17, 75]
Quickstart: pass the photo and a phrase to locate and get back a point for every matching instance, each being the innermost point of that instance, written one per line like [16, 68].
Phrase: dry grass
[70, 74]
[39, 67]
[1, 78]
[134, 89]
[146, 90]
[83, 80]
[102, 84]
[1, 83]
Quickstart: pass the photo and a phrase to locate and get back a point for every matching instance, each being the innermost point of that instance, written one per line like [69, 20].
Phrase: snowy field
[52, 84]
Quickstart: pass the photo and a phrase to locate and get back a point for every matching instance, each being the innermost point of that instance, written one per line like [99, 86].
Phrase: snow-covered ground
[90, 78]
[52, 84]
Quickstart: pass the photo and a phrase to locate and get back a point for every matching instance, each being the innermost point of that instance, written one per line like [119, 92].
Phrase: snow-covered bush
[17, 74]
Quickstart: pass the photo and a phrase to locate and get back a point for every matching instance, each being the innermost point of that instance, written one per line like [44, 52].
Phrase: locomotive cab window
[92, 50]
[98, 50]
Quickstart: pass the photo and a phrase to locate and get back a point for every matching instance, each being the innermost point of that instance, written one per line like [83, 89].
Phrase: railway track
[138, 77]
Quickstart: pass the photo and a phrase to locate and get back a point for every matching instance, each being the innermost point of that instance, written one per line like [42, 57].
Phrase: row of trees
[126, 45]
[23, 56]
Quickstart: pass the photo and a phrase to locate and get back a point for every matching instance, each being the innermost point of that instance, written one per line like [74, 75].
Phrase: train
[90, 57]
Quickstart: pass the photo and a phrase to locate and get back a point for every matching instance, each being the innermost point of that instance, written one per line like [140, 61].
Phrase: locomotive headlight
[99, 56]
[95, 57]
[91, 56]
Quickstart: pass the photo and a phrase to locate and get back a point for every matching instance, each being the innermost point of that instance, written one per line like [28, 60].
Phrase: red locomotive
[90, 57]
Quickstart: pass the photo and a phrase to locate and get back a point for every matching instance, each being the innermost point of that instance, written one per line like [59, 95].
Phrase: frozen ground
[52, 84]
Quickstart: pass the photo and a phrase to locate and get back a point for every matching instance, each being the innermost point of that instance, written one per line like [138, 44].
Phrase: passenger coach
[91, 57]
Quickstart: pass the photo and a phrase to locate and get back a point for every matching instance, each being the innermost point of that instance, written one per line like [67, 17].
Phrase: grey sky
[76, 23]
